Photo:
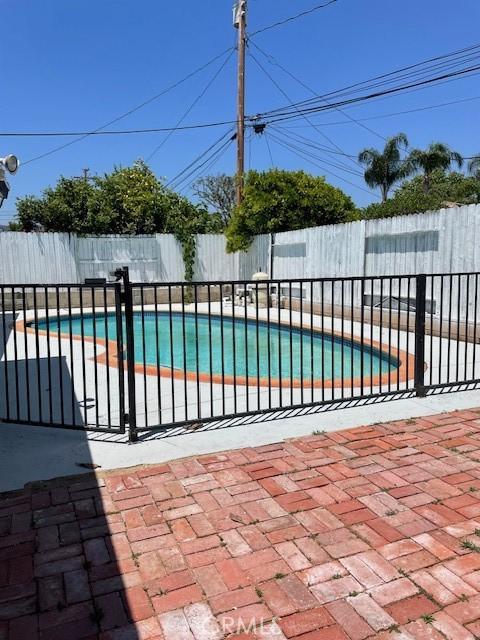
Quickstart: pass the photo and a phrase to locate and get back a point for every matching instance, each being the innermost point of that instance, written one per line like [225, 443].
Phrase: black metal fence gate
[155, 356]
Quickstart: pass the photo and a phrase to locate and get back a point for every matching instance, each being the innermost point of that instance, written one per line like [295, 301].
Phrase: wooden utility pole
[240, 22]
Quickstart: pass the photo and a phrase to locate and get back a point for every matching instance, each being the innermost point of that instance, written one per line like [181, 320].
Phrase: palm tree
[438, 156]
[474, 166]
[385, 168]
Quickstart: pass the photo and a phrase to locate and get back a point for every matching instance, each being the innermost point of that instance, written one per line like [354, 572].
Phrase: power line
[271, 114]
[303, 157]
[391, 115]
[295, 17]
[289, 114]
[130, 111]
[193, 104]
[275, 62]
[472, 50]
[200, 157]
[293, 143]
[212, 158]
[121, 132]
[304, 116]
[265, 135]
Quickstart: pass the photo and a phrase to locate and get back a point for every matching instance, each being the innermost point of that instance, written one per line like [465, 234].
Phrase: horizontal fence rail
[157, 356]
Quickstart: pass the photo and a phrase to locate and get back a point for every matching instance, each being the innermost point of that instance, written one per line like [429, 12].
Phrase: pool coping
[403, 373]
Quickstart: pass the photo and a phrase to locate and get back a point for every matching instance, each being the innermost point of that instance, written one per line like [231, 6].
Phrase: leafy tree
[130, 200]
[474, 166]
[385, 168]
[437, 157]
[278, 200]
[217, 193]
[410, 197]
[64, 208]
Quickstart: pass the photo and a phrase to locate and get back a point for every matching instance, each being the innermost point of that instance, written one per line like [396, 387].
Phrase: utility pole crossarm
[240, 22]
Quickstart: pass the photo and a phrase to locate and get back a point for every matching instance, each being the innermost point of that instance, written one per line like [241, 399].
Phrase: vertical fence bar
[72, 361]
[210, 356]
[222, 347]
[370, 354]
[390, 334]
[49, 358]
[144, 353]
[130, 336]
[234, 351]
[432, 297]
[172, 350]
[399, 304]
[25, 340]
[457, 358]
[257, 345]
[301, 343]
[440, 341]
[197, 354]
[279, 327]
[95, 362]
[15, 353]
[475, 301]
[5, 356]
[120, 354]
[245, 338]
[449, 337]
[420, 299]
[352, 341]
[290, 330]
[37, 355]
[269, 354]
[332, 339]
[322, 312]
[185, 342]
[467, 301]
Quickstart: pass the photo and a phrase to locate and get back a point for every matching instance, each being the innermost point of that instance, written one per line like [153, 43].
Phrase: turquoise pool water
[207, 344]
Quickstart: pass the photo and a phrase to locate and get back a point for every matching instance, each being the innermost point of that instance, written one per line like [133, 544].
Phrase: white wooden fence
[444, 241]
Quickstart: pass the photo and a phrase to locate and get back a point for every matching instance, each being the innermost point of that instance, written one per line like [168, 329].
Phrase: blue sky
[77, 65]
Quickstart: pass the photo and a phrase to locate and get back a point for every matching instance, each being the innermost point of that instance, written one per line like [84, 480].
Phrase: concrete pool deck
[358, 534]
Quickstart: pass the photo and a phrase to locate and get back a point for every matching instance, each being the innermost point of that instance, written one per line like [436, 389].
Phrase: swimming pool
[223, 349]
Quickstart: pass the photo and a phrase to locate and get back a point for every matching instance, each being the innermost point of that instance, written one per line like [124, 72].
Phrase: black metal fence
[103, 356]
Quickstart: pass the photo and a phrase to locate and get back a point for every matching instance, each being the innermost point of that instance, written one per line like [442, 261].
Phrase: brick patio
[368, 532]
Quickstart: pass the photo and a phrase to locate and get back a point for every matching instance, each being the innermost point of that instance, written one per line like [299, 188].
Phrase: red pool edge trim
[400, 374]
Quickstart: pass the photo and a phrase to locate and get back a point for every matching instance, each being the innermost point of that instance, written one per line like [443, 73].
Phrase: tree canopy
[437, 156]
[278, 200]
[130, 200]
[218, 194]
[385, 168]
[410, 197]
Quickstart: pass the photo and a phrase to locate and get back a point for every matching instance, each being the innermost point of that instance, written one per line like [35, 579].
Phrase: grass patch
[471, 546]
[428, 618]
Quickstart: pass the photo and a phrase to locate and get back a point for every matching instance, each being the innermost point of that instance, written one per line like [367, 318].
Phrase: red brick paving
[368, 532]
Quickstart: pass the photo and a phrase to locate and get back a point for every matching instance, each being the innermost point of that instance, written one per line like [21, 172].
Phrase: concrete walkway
[371, 532]
[37, 453]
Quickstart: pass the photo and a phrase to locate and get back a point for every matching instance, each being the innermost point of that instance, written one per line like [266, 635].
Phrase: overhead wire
[319, 165]
[143, 104]
[192, 105]
[275, 62]
[174, 182]
[283, 92]
[302, 14]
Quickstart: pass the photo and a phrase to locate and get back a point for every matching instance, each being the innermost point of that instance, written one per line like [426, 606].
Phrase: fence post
[420, 304]
[132, 404]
